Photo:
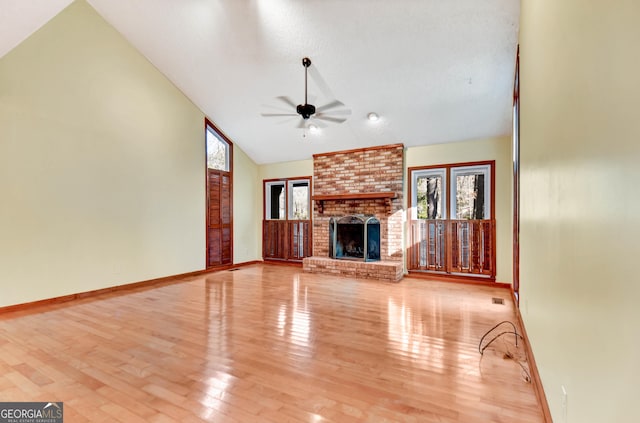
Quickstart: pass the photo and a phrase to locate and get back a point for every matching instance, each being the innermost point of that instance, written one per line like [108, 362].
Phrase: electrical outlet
[564, 404]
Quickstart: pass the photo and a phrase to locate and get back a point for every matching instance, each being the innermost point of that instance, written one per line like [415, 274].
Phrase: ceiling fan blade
[319, 123]
[333, 104]
[331, 119]
[277, 108]
[287, 100]
[344, 112]
[287, 120]
[278, 114]
[320, 82]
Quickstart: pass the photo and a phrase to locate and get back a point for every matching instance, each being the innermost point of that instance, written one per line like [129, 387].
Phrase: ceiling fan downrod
[305, 110]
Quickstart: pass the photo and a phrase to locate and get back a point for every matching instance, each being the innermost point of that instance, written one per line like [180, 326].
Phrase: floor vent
[233, 270]
[497, 300]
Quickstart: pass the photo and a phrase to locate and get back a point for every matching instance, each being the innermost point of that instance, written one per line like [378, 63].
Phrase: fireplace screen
[355, 237]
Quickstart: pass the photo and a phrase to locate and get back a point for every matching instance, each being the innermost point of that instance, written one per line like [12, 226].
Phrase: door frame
[516, 179]
[208, 124]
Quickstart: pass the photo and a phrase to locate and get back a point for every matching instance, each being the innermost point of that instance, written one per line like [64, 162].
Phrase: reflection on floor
[270, 344]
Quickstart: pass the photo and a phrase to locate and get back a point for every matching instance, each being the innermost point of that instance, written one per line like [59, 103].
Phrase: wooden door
[219, 220]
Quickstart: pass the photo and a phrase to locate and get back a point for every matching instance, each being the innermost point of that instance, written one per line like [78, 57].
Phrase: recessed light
[373, 117]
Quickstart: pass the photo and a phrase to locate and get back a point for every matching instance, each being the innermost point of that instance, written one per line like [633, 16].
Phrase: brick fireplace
[367, 182]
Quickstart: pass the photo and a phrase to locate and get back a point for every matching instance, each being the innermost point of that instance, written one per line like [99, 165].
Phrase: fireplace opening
[354, 237]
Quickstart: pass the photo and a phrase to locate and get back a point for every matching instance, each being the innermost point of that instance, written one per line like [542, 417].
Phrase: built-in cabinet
[451, 225]
[286, 226]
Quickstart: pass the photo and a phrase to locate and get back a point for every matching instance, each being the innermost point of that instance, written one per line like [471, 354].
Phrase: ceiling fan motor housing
[306, 110]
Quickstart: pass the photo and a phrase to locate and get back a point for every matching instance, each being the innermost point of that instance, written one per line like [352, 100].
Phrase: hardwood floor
[269, 343]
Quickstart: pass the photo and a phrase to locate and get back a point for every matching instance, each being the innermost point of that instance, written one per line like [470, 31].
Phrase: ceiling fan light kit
[308, 111]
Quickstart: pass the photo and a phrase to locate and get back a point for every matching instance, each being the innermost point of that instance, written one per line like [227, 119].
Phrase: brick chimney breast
[362, 171]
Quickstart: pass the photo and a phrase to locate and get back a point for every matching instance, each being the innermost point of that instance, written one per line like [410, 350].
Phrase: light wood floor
[270, 344]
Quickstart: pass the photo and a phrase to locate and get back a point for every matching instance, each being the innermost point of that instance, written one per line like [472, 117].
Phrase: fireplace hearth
[354, 237]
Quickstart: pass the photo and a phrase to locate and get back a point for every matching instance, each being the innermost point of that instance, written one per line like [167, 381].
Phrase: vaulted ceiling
[435, 71]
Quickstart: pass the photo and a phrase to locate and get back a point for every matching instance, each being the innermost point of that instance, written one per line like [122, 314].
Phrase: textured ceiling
[434, 70]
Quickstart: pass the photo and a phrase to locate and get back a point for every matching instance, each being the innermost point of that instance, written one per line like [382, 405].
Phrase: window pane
[217, 152]
[275, 201]
[299, 207]
[470, 196]
[429, 197]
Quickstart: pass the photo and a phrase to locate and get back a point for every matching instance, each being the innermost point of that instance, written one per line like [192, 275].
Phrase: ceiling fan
[308, 111]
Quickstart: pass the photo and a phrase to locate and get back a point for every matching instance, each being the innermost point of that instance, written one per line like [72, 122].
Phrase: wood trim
[472, 280]
[248, 329]
[381, 195]
[309, 221]
[516, 179]
[536, 381]
[451, 165]
[148, 284]
[360, 150]
[80, 295]
[246, 263]
[286, 205]
[356, 196]
[209, 124]
[295, 178]
[282, 262]
[447, 168]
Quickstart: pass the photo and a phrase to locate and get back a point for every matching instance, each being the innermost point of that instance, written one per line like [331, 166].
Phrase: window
[298, 199]
[451, 230]
[286, 228]
[217, 151]
[469, 189]
[219, 197]
[461, 192]
[429, 194]
[294, 194]
[275, 200]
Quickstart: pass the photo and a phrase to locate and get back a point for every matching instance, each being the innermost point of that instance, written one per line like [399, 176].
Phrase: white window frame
[415, 174]
[471, 170]
[290, 184]
[213, 133]
[267, 200]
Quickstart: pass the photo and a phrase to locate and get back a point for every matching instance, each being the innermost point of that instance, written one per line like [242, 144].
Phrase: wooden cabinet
[288, 240]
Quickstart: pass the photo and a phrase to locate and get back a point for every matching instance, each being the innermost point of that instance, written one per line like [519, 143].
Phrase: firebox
[354, 237]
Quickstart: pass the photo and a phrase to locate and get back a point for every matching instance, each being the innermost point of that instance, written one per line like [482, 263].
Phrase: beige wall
[285, 170]
[580, 224]
[247, 202]
[498, 149]
[101, 165]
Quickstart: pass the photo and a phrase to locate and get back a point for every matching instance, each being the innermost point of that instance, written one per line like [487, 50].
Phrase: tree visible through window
[286, 229]
[287, 199]
[470, 196]
[470, 192]
[451, 230]
[429, 197]
[300, 200]
[452, 191]
[217, 152]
